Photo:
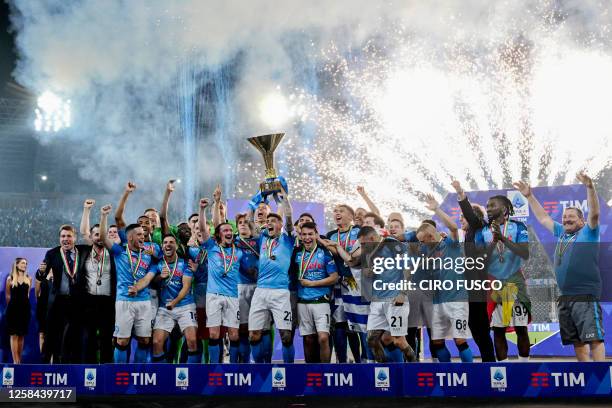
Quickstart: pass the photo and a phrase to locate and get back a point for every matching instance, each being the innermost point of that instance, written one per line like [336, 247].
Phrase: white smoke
[118, 62]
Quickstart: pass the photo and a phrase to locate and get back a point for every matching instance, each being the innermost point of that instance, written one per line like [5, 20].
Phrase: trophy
[266, 145]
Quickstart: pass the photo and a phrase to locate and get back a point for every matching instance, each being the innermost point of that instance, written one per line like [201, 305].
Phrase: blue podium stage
[476, 380]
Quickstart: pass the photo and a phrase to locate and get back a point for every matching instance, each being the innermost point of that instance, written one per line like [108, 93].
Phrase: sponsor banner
[479, 380]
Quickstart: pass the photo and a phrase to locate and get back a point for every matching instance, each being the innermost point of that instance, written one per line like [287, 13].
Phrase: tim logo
[279, 378]
[123, 378]
[559, 380]
[331, 379]
[231, 379]
[182, 377]
[498, 378]
[89, 377]
[443, 379]
[38, 378]
[381, 377]
[8, 376]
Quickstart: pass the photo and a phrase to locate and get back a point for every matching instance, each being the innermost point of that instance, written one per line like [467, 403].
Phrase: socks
[244, 350]
[266, 346]
[465, 353]
[120, 354]
[340, 341]
[443, 354]
[257, 351]
[522, 359]
[214, 351]
[158, 358]
[194, 357]
[141, 355]
[288, 354]
[205, 354]
[233, 351]
[393, 354]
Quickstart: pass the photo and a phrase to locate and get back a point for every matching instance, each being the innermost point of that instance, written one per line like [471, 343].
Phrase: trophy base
[270, 187]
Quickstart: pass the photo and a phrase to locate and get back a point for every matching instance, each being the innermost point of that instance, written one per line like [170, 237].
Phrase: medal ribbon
[72, 273]
[270, 246]
[202, 255]
[102, 262]
[500, 245]
[561, 249]
[129, 255]
[346, 241]
[304, 268]
[169, 278]
[226, 267]
[248, 246]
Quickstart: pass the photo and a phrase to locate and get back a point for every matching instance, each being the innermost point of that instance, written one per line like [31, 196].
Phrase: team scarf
[249, 246]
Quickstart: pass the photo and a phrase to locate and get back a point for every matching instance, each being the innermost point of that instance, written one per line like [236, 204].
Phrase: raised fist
[204, 203]
[130, 187]
[90, 202]
[106, 209]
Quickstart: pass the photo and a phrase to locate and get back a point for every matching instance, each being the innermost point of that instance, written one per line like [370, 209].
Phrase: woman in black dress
[18, 285]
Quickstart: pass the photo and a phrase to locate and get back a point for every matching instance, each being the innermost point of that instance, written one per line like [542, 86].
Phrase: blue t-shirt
[347, 239]
[250, 262]
[578, 270]
[450, 251]
[320, 267]
[128, 277]
[200, 256]
[502, 265]
[274, 274]
[390, 248]
[219, 281]
[171, 286]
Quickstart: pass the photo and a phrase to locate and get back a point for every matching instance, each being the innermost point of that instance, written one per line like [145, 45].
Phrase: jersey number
[461, 324]
[395, 320]
[287, 316]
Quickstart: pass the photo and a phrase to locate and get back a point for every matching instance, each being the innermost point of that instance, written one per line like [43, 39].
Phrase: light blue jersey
[274, 273]
[449, 250]
[128, 273]
[171, 286]
[381, 291]
[504, 263]
[223, 268]
[199, 255]
[577, 261]
[314, 266]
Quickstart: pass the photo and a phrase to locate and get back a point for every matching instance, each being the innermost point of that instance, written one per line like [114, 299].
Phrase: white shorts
[386, 316]
[421, 308]
[314, 318]
[520, 316]
[275, 301]
[134, 315]
[222, 310]
[199, 295]
[245, 295]
[166, 319]
[450, 321]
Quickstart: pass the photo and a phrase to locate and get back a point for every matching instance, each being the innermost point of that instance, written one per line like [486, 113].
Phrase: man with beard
[507, 244]
[64, 267]
[344, 236]
[472, 219]
[272, 292]
[316, 274]
[133, 303]
[577, 272]
[113, 232]
[222, 305]
[99, 300]
[177, 306]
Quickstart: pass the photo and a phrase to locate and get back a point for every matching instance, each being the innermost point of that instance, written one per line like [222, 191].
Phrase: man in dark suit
[66, 264]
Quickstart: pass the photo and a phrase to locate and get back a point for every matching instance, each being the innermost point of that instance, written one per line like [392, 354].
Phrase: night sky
[7, 51]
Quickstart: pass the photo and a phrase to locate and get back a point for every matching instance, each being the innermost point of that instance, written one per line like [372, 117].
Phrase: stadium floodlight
[43, 177]
[274, 110]
[52, 114]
